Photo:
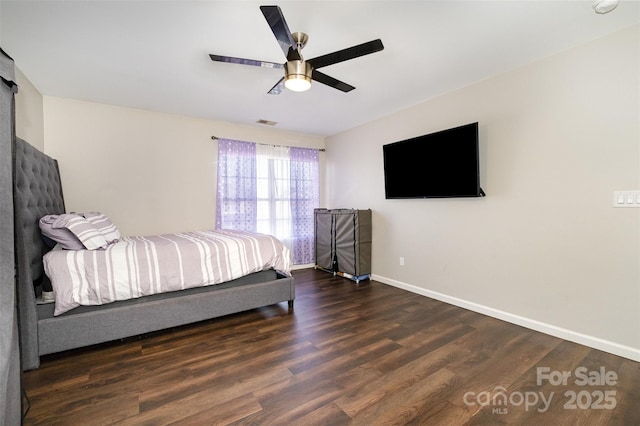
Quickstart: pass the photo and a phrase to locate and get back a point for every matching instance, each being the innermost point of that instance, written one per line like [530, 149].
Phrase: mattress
[141, 266]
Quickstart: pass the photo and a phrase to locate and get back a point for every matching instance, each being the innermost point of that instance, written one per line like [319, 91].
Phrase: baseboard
[563, 333]
[303, 266]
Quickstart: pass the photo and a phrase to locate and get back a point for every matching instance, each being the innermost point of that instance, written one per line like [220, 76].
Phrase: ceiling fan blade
[330, 81]
[279, 26]
[243, 61]
[278, 88]
[346, 54]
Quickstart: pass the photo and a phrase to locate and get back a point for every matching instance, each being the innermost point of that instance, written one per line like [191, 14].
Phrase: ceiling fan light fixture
[297, 76]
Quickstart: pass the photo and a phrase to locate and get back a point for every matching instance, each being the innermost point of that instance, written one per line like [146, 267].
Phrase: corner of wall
[29, 112]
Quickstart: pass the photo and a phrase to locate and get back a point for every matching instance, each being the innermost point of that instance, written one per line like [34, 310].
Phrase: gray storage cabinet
[343, 242]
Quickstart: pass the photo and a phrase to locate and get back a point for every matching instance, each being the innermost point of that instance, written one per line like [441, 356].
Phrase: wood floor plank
[407, 403]
[189, 406]
[361, 398]
[223, 414]
[369, 354]
[328, 414]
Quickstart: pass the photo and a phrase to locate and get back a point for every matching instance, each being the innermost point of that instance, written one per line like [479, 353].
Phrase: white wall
[29, 112]
[150, 172]
[545, 248]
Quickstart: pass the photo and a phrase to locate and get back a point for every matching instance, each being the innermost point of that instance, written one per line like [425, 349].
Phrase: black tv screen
[436, 165]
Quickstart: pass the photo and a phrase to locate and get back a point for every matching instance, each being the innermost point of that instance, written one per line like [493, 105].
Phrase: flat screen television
[436, 165]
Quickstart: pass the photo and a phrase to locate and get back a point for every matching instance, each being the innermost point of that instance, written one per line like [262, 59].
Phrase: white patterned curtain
[236, 204]
[271, 190]
[304, 198]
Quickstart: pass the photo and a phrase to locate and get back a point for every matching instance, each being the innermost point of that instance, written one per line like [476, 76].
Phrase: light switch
[626, 198]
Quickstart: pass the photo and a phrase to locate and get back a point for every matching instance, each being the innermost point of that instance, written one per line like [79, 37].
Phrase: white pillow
[87, 233]
[108, 230]
[65, 238]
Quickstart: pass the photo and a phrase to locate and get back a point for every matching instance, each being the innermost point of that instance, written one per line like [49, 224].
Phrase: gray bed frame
[38, 192]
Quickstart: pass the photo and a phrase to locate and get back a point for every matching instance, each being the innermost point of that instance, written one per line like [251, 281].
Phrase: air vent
[266, 122]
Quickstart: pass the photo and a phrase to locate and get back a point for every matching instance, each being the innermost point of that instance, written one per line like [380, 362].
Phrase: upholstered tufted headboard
[37, 192]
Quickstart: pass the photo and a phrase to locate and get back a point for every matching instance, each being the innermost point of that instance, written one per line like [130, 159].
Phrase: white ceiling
[154, 54]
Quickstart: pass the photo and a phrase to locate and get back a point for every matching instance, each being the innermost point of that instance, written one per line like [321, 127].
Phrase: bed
[37, 193]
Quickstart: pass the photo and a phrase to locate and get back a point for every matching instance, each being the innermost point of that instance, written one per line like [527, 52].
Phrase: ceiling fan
[299, 72]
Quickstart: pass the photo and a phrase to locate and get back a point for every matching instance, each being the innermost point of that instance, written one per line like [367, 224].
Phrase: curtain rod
[215, 138]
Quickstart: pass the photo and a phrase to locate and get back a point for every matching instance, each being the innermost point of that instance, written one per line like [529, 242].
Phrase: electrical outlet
[401, 261]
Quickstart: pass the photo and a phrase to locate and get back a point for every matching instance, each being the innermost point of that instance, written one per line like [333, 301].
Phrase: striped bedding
[140, 266]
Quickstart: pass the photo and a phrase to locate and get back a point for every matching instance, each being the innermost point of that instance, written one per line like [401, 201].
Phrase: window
[271, 190]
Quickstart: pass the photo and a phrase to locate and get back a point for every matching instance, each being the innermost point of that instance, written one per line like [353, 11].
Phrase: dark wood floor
[366, 355]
